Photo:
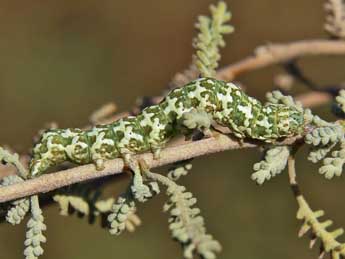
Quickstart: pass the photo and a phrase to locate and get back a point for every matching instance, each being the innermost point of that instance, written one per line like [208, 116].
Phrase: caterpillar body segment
[226, 104]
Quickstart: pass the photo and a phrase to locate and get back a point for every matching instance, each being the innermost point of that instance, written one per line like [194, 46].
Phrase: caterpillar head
[290, 121]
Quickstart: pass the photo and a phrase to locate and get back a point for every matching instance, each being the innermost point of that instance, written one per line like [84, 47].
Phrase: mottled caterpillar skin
[228, 105]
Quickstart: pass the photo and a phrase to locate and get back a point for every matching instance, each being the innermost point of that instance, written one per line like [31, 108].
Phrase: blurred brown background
[60, 60]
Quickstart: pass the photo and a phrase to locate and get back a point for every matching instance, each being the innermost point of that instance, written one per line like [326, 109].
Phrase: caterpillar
[151, 129]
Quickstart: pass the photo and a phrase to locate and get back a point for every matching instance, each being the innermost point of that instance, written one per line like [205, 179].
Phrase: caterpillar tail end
[38, 166]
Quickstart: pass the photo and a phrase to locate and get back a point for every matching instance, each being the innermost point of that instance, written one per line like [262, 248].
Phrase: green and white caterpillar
[224, 102]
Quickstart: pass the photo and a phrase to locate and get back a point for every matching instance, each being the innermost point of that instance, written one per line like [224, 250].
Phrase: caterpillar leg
[99, 164]
[48, 152]
[38, 166]
[102, 145]
[156, 151]
[196, 120]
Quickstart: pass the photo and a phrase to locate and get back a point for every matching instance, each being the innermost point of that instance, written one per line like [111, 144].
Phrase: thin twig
[292, 170]
[312, 223]
[279, 53]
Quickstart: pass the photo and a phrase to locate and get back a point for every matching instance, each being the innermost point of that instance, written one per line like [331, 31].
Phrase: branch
[186, 150]
[279, 53]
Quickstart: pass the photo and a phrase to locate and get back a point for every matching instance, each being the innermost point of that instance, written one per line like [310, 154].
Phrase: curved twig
[278, 53]
[186, 150]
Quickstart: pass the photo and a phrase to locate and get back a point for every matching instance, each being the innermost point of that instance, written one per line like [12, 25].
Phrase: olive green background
[61, 60]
